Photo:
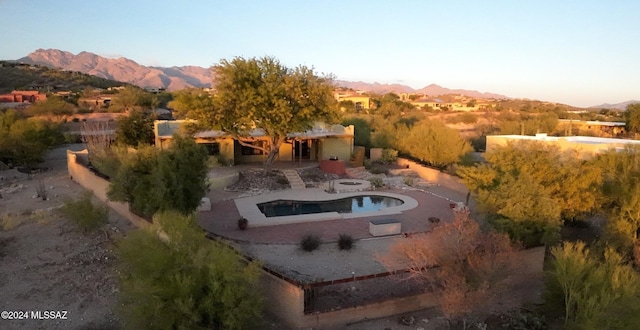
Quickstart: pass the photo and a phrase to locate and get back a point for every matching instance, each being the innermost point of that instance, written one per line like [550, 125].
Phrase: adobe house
[322, 142]
[586, 146]
[23, 96]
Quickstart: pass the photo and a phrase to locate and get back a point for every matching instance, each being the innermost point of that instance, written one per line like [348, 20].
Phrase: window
[249, 151]
[213, 148]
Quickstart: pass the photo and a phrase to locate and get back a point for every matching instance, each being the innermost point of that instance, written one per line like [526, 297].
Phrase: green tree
[263, 93]
[53, 106]
[434, 143]
[128, 99]
[153, 180]
[621, 189]
[632, 118]
[25, 141]
[135, 129]
[531, 187]
[362, 134]
[594, 294]
[178, 279]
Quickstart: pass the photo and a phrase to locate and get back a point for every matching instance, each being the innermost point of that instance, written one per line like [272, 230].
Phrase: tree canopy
[433, 142]
[261, 93]
[153, 180]
[185, 281]
[24, 141]
[534, 185]
[632, 118]
[134, 129]
[53, 106]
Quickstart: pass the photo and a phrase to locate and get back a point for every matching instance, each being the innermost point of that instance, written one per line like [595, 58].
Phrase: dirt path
[47, 263]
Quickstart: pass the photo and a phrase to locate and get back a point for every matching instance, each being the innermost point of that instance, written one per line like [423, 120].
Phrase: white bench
[385, 227]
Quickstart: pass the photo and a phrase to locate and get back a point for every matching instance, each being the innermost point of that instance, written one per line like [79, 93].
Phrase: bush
[408, 181]
[389, 156]
[376, 182]
[185, 281]
[345, 242]
[85, 214]
[310, 242]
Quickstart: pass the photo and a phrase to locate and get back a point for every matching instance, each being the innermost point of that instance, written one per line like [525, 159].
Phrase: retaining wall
[435, 176]
[98, 186]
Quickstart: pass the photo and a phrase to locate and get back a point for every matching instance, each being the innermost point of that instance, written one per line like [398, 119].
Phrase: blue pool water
[355, 204]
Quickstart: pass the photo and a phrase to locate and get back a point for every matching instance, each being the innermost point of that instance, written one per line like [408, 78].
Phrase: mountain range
[616, 106]
[180, 77]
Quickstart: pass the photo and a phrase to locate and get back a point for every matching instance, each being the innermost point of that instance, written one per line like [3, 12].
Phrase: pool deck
[222, 219]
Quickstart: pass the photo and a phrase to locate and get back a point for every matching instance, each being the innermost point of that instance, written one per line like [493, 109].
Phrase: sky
[581, 53]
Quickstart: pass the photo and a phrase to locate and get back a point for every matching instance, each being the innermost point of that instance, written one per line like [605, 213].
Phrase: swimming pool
[354, 204]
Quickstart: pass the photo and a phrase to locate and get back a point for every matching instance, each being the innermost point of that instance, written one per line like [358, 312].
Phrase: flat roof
[574, 139]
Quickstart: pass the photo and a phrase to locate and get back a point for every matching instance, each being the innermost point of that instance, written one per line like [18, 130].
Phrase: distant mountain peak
[121, 69]
[180, 77]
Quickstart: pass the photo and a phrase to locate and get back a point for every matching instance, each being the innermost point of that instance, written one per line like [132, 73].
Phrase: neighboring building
[320, 143]
[361, 102]
[23, 96]
[590, 127]
[586, 146]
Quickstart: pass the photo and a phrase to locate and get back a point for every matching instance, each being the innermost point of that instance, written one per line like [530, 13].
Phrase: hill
[615, 106]
[122, 69]
[21, 76]
[176, 78]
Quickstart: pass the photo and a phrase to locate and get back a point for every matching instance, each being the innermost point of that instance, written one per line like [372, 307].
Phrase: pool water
[355, 204]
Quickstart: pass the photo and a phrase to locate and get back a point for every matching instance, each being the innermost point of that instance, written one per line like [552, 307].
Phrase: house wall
[342, 147]
[584, 147]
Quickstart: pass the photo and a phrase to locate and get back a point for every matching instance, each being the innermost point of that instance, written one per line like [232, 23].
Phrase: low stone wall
[435, 176]
[286, 300]
[98, 186]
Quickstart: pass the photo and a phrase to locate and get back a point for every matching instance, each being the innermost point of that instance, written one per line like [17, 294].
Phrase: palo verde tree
[54, 106]
[632, 118]
[153, 180]
[261, 93]
[531, 188]
[621, 189]
[595, 292]
[173, 277]
[433, 142]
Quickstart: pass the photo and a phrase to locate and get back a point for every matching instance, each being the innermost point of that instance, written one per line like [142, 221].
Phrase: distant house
[322, 142]
[591, 127]
[23, 96]
[586, 146]
[361, 102]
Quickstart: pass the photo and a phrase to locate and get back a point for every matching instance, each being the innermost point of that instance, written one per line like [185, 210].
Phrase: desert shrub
[389, 156]
[345, 242]
[243, 223]
[378, 169]
[85, 214]
[309, 242]
[434, 219]
[408, 181]
[376, 182]
[184, 280]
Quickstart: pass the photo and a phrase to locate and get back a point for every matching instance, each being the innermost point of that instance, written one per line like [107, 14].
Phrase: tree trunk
[276, 142]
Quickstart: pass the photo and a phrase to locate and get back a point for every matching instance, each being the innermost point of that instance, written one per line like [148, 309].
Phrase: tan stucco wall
[99, 187]
[342, 147]
[584, 150]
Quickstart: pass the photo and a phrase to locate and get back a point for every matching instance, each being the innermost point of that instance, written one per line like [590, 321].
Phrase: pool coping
[248, 206]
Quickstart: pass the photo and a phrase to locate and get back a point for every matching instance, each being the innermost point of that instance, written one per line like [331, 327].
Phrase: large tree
[261, 93]
[153, 180]
[632, 118]
[135, 129]
[53, 106]
[532, 187]
[433, 142]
